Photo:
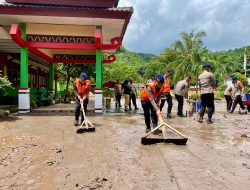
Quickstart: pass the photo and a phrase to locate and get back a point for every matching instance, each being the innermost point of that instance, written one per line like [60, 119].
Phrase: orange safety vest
[82, 88]
[166, 86]
[144, 94]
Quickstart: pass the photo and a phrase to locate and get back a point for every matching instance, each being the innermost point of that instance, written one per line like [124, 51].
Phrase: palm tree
[188, 52]
[221, 65]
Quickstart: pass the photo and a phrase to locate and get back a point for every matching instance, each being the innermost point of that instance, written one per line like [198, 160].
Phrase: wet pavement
[44, 152]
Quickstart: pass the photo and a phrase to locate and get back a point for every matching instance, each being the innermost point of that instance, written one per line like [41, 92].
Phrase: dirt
[44, 152]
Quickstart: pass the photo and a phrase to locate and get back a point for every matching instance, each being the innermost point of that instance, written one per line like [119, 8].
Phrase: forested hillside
[185, 57]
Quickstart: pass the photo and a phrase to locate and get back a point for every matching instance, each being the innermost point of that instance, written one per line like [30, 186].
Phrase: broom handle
[83, 112]
[84, 115]
[153, 130]
[174, 130]
[161, 123]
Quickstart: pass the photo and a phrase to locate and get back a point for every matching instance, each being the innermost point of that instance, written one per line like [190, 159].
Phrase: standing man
[207, 83]
[181, 91]
[118, 94]
[150, 99]
[237, 92]
[166, 94]
[132, 95]
[126, 94]
[228, 97]
[82, 87]
[152, 79]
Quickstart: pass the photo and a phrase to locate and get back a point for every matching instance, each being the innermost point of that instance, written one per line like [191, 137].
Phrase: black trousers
[180, 100]
[78, 108]
[133, 98]
[229, 102]
[118, 97]
[238, 100]
[169, 101]
[147, 108]
[207, 101]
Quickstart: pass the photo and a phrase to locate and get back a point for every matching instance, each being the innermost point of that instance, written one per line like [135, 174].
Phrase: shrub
[242, 78]
[194, 96]
[107, 92]
[4, 85]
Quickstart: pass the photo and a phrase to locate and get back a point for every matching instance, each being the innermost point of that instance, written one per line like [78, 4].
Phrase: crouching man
[237, 93]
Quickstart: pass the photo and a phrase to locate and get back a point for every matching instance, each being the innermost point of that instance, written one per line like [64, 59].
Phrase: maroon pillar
[37, 78]
[2, 63]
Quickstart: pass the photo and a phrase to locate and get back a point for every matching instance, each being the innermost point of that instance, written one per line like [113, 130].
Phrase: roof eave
[45, 11]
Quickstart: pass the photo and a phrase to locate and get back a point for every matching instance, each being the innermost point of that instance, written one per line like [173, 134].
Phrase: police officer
[150, 99]
[166, 94]
[207, 83]
[82, 87]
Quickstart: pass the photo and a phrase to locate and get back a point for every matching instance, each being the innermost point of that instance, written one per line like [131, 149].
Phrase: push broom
[89, 127]
[164, 126]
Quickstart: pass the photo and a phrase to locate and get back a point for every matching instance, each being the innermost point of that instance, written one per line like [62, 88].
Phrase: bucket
[198, 105]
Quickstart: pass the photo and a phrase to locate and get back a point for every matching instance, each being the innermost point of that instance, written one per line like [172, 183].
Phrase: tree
[73, 71]
[185, 56]
[4, 85]
[121, 71]
[222, 65]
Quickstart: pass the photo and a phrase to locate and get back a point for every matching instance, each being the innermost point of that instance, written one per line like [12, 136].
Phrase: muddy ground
[44, 152]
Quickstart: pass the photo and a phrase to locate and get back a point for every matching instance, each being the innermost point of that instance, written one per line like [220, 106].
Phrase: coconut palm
[189, 53]
[221, 65]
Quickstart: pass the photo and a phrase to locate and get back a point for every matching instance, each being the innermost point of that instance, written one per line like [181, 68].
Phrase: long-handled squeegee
[89, 127]
[178, 141]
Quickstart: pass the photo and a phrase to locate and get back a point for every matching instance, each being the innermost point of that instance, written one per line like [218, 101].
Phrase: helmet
[168, 71]
[206, 66]
[160, 78]
[84, 75]
[234, 78]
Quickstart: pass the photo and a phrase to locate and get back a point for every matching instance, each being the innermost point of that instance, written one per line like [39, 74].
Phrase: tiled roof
[128, 9]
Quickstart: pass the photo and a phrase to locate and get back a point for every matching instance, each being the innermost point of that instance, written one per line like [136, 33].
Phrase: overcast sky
[156, 24]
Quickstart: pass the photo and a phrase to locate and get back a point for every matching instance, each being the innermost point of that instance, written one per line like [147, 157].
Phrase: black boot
[169, 116]
[147, 129]
[209, 121]
[76, 123]
[200, 120]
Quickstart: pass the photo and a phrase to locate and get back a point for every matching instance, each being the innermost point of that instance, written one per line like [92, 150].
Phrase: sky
[156, 24]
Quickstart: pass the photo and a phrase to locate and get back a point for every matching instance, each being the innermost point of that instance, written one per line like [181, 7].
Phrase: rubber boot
[200, 120]
[76, 123]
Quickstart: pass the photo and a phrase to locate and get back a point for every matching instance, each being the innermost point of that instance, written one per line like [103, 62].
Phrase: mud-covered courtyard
[44, 152]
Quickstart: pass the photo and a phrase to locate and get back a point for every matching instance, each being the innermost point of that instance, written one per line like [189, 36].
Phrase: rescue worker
[181, 91]
[207, 83]
[228, 97]
[118, 94]
[166, 94]
[152, 79]
[150, 100]
[126, 93]
[133, 94]
[237, 93]
[82, 87]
